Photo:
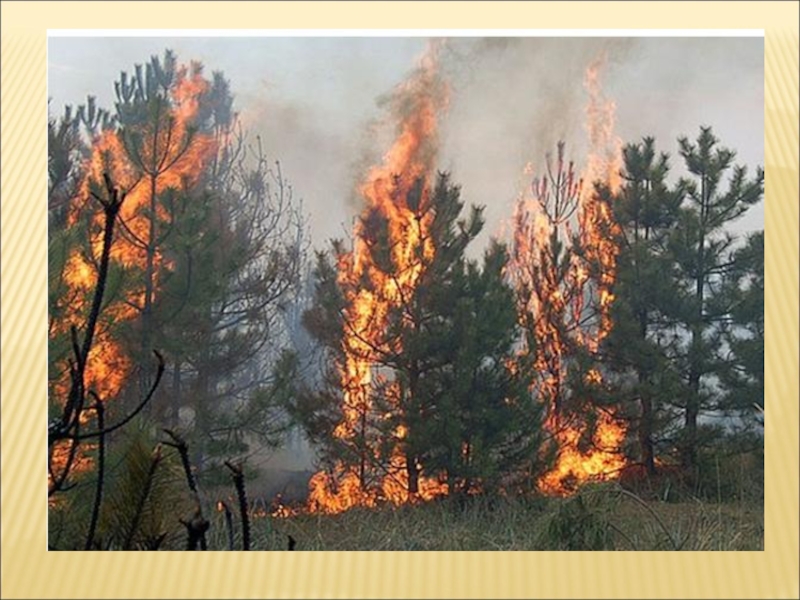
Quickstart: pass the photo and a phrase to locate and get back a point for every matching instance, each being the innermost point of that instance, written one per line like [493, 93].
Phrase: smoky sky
[315, 103]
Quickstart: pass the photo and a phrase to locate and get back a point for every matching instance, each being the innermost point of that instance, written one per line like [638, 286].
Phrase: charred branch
[238, 481]
[196, 528]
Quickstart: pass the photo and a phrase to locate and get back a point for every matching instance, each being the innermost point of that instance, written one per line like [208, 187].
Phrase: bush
[578, 523]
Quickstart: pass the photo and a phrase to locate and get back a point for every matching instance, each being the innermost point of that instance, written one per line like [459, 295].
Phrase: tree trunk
[451, 481]
[646, 425]
[689, 454]
[147, 308]
[413, 409]
[412, 468]
[689, 451]
[646, 436]
[362, 464]
[200, 412]
[173, 414]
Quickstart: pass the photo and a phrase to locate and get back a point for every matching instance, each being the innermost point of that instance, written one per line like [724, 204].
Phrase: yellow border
[29, 571]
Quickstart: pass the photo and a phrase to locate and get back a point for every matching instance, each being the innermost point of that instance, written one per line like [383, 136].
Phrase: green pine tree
[742, 366]
[485, 431]
[701, 246]
[646, 209]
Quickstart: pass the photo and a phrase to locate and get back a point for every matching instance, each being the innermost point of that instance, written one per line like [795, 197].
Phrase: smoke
[309, 152]
[510, 100]
[513, 101]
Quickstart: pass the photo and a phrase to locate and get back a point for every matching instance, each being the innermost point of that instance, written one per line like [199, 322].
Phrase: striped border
[27, 570]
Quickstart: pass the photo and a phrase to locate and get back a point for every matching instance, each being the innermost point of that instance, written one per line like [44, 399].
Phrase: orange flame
[564, 310]
[416, 104]
[597, 224]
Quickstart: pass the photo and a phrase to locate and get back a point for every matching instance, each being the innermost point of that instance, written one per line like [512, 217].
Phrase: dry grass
[725, 513]
[600, 518]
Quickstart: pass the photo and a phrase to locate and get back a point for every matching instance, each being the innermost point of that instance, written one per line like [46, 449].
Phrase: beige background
[29, 571]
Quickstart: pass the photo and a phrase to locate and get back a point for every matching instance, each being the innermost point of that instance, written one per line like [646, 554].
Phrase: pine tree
[645, 209]
[562, 267]
[379, 422]
[64, 148]
[742, 365]
[210, 246]
[485, 429]
[701, 246]
[442, 398]
[415, 358]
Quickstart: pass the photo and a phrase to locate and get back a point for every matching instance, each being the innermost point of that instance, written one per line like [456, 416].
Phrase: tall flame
[415, 104]
[597, 224]
[566, 309]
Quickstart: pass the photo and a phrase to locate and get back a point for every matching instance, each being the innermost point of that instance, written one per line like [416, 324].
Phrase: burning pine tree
[393, 251]
[420, 400]
[563, 279]
[208, 247]
[152, 151]
[395, 420]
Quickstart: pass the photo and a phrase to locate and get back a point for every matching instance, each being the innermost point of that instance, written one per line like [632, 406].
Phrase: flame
[570, 309]
[605, 164]
[415, 104]
[171, 158]
[574, 465]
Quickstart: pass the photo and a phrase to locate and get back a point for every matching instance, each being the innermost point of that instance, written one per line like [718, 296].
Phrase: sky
[314, 102]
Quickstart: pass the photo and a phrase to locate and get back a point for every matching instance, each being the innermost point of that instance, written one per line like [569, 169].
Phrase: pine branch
[137, 516]
[133, 413]
[101, 460]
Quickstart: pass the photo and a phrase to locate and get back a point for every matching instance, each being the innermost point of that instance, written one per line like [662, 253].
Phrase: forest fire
[562, 312]
[404, 174]
[284, 304]
[162, 155]
[152, 154]
[565, 307]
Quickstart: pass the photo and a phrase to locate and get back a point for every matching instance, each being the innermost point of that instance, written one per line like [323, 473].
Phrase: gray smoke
[511, 101]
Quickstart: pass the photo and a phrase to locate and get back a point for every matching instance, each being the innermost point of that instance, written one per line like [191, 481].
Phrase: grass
[599, 518]
[721, 508]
